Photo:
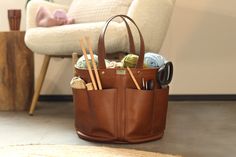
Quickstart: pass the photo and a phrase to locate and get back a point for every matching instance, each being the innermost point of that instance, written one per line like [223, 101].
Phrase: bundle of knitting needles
[94, 84]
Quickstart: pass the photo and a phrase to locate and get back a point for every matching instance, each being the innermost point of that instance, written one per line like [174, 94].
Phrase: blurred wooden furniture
[16, 72]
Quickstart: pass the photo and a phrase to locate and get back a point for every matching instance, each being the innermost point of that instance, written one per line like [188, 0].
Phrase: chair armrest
[32, 9]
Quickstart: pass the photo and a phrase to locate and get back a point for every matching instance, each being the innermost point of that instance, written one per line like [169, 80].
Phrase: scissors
[164, 74]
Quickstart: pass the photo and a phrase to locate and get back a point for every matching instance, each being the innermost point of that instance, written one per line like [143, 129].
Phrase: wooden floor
[194, 129]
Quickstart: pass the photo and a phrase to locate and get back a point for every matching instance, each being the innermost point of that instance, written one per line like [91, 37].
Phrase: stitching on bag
[154, 108]
[115, 114]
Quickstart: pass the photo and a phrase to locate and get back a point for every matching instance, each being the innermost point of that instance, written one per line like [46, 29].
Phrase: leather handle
[101, 43]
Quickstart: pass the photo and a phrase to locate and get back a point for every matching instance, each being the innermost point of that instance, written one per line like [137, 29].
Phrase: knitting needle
[133, 78]
[88, 65]
[93, 62]
[143, 83]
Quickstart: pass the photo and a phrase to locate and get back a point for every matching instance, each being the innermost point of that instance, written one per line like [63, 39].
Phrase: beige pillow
[84, 11]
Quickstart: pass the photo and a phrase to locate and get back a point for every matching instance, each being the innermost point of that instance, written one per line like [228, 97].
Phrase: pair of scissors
[164, 74]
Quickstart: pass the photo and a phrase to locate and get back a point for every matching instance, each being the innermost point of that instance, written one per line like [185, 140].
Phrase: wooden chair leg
[39, 83]
[74, 60]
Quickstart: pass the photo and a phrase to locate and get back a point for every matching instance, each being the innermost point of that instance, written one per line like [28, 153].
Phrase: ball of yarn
[114, 64]
[81, 63]
[77, 83]
[130, 60]
[153, 60]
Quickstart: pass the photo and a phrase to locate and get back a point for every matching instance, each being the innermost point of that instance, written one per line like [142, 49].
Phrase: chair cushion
[93, 10]
[63, 40]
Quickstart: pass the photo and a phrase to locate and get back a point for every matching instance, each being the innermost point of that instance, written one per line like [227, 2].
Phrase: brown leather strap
[101, 44]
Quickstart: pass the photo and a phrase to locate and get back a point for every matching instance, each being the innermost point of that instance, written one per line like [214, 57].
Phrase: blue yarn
[81, 63]
[150, 60]
[153, 60]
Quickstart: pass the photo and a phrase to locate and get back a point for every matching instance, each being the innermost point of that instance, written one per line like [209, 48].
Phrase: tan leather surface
[120, 112]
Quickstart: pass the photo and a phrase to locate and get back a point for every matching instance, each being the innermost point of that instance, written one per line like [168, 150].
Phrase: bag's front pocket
[95, 111]
[160, 110]
[139, 113]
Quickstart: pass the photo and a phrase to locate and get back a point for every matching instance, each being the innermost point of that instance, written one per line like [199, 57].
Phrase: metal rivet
[103, 72]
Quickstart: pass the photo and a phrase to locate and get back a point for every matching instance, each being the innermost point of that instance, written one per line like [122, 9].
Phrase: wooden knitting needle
[93, 62]
[133, 78]
[88, 65]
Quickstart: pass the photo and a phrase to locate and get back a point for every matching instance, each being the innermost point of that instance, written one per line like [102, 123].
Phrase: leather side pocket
[139, 109]
[83, 120]
[160, 110]
[94, 112]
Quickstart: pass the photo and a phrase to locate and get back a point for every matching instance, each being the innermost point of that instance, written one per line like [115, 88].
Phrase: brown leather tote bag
[120, 113]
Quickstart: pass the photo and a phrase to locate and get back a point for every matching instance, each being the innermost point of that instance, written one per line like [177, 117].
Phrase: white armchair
[152, 17]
